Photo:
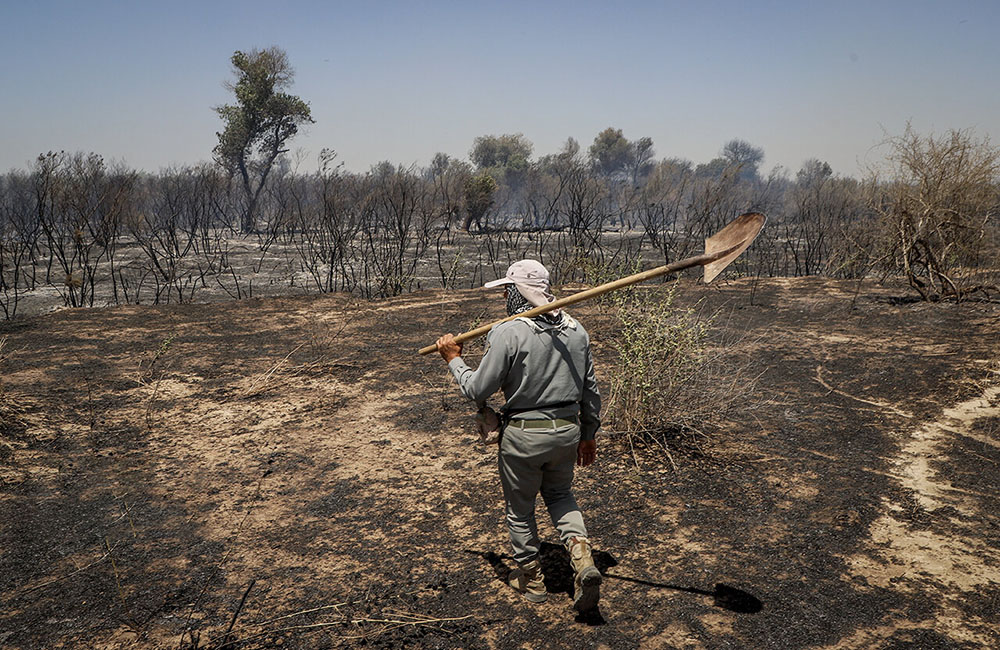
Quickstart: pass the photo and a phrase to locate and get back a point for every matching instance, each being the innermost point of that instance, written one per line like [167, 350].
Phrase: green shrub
[674, 381]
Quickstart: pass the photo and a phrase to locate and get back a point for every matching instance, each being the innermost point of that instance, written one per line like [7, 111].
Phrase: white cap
[530, 278]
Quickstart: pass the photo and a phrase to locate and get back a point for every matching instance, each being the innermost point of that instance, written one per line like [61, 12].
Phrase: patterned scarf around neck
[518, 304]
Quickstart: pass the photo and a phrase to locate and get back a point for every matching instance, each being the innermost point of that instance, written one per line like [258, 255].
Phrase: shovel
[720, 250]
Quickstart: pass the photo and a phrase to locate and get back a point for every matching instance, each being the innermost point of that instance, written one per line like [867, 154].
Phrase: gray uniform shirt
[537, 364]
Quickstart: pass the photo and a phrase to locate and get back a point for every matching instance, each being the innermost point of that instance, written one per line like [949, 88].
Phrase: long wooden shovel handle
[700, 260]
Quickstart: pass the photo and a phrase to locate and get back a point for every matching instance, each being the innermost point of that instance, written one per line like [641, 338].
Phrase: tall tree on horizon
[260, 124]
[613, 154]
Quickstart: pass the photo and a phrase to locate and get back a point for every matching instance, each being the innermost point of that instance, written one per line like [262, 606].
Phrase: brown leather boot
[587, 579]
[529, 581]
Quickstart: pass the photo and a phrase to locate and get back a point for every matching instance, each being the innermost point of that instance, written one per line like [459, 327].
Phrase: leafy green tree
[439, 164]
[714, 168]
[642, 158]
[261, 122]
[610, 152]
[613, 154]
[479, 194]
[744, 156]
[813, 171]
[738, 160]
[448, 176]
[383, 169]
[508, 151]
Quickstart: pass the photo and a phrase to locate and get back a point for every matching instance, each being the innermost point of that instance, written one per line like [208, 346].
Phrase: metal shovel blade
[745, 229]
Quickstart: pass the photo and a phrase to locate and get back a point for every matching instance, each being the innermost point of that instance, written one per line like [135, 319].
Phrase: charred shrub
[937, 202]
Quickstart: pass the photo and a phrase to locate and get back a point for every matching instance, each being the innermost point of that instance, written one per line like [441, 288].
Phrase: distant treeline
[102, 233]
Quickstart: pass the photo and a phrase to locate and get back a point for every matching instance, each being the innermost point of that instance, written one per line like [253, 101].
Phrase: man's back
[540, 365]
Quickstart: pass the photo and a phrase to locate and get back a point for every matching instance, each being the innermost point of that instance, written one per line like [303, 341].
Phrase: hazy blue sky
[399, 81]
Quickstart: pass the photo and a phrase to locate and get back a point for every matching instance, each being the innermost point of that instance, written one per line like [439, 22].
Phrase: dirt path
[946, 555]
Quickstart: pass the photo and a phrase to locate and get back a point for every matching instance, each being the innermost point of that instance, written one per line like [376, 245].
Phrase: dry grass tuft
[320, 345]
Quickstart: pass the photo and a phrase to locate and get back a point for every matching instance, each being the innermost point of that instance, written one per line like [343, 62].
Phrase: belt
[543, 424]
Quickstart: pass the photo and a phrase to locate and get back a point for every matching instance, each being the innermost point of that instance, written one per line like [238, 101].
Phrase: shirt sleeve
[590, 402]
[482, 382]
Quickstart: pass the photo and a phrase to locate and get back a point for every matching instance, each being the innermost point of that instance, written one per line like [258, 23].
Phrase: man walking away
[546, 371]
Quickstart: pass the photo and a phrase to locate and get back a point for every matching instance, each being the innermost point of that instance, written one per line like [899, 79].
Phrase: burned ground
[158, 464]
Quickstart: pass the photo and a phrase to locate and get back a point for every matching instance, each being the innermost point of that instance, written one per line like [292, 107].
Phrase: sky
[400, 81]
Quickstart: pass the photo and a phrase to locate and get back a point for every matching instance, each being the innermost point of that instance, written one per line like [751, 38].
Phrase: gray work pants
[533, 461]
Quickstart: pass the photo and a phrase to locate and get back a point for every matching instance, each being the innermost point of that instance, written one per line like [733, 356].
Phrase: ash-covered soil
[293, 462]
